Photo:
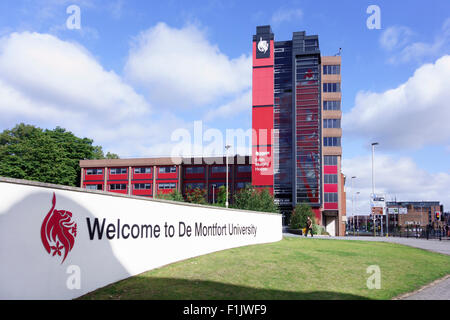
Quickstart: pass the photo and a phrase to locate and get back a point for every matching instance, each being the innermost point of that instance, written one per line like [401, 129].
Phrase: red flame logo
[58, 231]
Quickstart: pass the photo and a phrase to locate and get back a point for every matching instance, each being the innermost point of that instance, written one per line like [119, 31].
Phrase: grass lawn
[294, 268]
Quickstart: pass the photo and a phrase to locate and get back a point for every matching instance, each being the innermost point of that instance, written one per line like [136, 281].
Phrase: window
[331, 197]
[164, 186]
[120, 186]
[330, 179]
[142, 186]
[94, 171]
[195, 170]
[330, 160]
[331, 141]
[331, 69]
[244, 168]
[331, 87]
[192, 186]
[217, 185]
[142, 170]
[332, 105]
[219, 169]
[118, 171]
[331, 123]
[171, 169]
[241, 185]
[94, 187]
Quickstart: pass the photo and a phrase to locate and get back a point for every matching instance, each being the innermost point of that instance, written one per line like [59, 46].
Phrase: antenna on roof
[339, 53]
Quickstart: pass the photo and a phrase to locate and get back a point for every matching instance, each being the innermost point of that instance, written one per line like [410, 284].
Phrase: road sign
[377, 210]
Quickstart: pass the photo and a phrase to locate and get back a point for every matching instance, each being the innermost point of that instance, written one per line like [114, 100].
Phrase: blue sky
[121, 90]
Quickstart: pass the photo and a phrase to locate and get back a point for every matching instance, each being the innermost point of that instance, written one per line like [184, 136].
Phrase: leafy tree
[249, 198]
[52, 156]
[300, 215]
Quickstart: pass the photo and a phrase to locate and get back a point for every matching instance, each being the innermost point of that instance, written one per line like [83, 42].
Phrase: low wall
[59, 242]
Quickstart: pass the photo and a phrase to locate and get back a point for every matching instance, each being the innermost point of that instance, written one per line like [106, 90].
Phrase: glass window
[120, 186]
[331, 87]
[330, 160]
[170, 169]
[331, 123]
[142, 186]
[192, 186]
[221, 169]
[94, 187]
[332, 105]
[118, 171]
[331, 197]
[330, 179]
[244, 168]
[94, 171]
[332, 141]
[163, 186]
[241, 185]
[195, 170]
[331, 69]
[143, 170]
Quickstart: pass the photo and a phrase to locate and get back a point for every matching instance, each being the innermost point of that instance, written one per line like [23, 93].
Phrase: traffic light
[438, 215]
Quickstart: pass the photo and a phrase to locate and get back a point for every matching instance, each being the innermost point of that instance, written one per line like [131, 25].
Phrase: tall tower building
[296, 125]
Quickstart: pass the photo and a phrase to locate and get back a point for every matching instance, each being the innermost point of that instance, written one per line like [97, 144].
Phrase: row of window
[331, 141]
[331, 87]
[331, 69]
[171, 169]
[161, 186]
[331, 123]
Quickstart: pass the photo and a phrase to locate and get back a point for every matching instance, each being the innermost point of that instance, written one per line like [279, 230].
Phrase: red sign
[58, 231]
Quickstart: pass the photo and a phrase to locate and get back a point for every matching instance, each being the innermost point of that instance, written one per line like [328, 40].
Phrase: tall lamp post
[373, 185]
[357, 218]
[227, 147]
[353, 206]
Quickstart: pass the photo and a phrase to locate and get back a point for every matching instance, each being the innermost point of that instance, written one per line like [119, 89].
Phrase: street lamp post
[213, 192]
[227, 147]
[353, 206]
[373, 186]
[357, 218]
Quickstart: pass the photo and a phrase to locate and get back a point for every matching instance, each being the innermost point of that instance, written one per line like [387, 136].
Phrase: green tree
[221, 196]
[52, 156]
[299, 216]
[249, 198]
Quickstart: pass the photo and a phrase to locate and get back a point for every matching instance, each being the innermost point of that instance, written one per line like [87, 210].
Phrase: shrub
[196, 195]
[299, 216]
[175, 195]
[249, 198]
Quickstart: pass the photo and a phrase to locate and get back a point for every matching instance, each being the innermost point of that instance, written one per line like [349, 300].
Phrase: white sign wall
[60, 244]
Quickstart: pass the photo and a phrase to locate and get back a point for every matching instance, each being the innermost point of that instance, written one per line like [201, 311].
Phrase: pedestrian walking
[308, 227]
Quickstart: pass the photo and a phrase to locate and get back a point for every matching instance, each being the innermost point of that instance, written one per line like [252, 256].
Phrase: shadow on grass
[145, 288]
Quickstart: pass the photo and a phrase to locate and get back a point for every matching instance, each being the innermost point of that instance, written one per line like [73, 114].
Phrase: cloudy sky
[135, 72]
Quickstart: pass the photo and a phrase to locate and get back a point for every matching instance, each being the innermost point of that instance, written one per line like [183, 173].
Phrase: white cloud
[397, 178]
[395, 37]
[412, 115]
[50, 74]
[232, 109]
[399, 38]
[180, 68]
[286, 14]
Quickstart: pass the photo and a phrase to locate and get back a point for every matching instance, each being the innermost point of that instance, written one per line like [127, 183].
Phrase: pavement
[438, 290]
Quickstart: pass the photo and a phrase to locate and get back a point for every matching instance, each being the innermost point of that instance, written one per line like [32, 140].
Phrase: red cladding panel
[262, 86]
[330, 188]
[330, 169]
[331, 206]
